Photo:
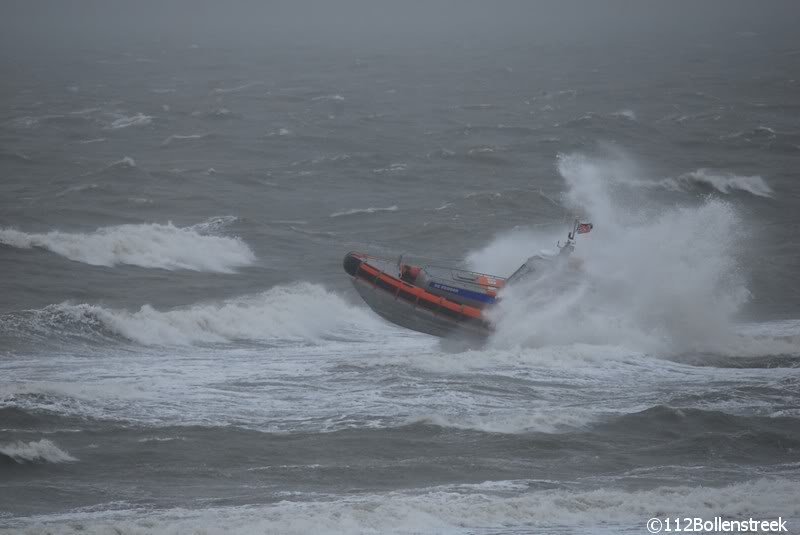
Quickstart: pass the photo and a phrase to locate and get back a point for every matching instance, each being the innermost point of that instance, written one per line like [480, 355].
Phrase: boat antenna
[569, 245]
[577, 226]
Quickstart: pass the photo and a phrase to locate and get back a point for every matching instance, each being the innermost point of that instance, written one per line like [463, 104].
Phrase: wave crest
[722, 182]
[124, 121]
[304, 312]
[149, 245]
[42, 451]
[370, 210]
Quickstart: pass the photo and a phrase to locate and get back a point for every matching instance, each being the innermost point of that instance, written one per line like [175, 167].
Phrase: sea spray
[509, 250]
[662, 281]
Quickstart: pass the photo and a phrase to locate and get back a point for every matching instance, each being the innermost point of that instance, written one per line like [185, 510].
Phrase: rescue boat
[437, 300]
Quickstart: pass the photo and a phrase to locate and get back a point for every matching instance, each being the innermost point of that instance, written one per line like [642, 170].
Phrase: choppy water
[180, 350]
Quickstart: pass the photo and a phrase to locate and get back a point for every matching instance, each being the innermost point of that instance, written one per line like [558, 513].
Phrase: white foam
[236, 89]
[514, 421]
[25, 122]
[280, 132]
[770, 338]
[160, 439]
[393, 168]
[626, 114]
[370, 210]
[139, 119]
[126, 161]
[214, 224]
[620, 169]
[505, 506]
[722, 182]
[85, 111]
[77, 189]
[329, 97]
[78, 395]
[178, 137]
[781, 328]
[41, 451]
[300, 312]
[664, 281]
[149, 245]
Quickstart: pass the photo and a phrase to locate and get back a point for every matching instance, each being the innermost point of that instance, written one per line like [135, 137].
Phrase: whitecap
[179, 137]
[160, 439]
[301, 312]
[42, 451]
[722, 182]
[150, 245]
[625, 114]
[336, 97]
[214, 224]
[235, 89]
[134, 120]
[370, 210]
[393, 168]
[126, 161]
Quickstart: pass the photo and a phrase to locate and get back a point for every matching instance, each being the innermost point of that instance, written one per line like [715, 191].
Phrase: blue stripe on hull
[468, 294]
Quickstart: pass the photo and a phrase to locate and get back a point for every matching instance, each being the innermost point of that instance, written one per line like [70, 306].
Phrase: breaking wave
[126, 161]
[178, 137]
[337, 98]
[214, 224]
[620, 170]
[370, 210]
[149, 245]
[459, 508]
[513, 421]
[722, 182]
[139, 119]
[303, 312]
[625, 114]
[667, 281]
[42, 451]
[235, 89]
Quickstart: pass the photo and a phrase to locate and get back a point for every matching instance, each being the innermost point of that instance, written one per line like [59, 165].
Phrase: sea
[182, 352]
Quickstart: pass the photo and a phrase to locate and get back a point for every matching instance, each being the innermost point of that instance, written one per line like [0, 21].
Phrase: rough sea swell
[165, 369]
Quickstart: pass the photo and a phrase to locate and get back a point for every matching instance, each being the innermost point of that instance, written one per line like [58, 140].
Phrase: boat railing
[475, 274]
[474, 279]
